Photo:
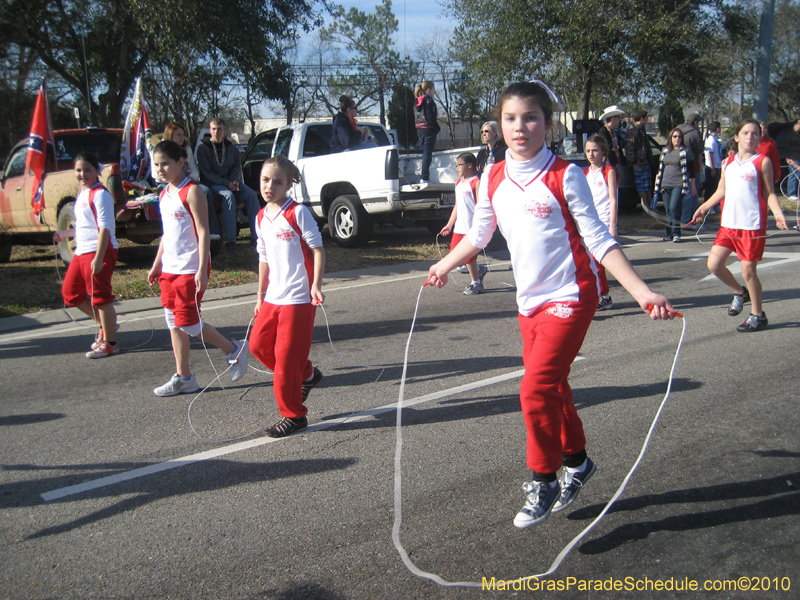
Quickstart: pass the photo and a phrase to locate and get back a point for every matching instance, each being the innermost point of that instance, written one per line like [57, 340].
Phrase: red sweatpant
[601, 275]
[551, 338]
[281, 340]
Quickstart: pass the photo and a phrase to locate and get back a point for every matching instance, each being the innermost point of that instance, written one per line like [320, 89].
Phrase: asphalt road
[106, 492]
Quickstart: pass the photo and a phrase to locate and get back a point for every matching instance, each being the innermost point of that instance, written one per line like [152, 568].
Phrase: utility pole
[761, 99]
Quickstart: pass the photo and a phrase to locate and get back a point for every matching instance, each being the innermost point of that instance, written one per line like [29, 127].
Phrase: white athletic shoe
[462, 269]
[237, 359]
[177, 385]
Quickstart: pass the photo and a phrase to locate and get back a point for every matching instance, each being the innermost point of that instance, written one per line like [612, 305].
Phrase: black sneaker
[571, 485]
[738, 302]
[316, 379]
[539, 500]
[286, 426]
[754, 323]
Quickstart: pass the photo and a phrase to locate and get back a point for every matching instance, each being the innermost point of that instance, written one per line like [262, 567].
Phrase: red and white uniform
[283, 243]
[281, 336]
[181, 250]
[745, 206]
[550, 224]
[743, 225]
[94, 208]
[91, 216]
[598, 183]
[545, 211]
[466, 198]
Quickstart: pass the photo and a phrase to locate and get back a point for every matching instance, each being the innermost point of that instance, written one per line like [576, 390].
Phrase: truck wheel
[6, 244]
[349, 224]
[66, 220]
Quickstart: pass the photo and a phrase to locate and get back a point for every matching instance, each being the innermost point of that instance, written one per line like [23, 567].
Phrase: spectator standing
[767, 147]
[221, 170]
[713, 159]
[637, 151]
[793, 158]
[495, 150]
[611, 118]
[426, 120]
[675, 181]
[693, 141]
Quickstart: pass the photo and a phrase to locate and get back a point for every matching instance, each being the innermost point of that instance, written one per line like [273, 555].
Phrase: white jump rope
[234, 360]
[96, 326]
[398, 475]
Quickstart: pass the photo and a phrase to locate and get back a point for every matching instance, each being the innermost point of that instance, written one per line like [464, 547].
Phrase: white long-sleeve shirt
[284, 243]
[545, 211]
[91, 216]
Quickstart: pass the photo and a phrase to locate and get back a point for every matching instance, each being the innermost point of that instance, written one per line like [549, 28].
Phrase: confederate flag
[39, 141]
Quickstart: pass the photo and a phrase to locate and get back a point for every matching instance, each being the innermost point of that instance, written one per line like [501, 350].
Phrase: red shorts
[457, 237]
[80, 282]
[748, 244]
[178, 295]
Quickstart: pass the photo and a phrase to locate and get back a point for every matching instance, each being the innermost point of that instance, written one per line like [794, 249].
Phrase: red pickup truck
[18, 224]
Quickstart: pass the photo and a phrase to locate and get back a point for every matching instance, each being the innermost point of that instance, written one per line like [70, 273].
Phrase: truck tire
[66, 220]
[349, 224]
[6, 244]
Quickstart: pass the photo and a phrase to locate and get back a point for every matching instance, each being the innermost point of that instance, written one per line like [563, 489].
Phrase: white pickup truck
[352, 190]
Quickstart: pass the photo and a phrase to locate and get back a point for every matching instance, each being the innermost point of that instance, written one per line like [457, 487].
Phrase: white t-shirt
[465, 204]
[88, 221]
[551, 235]
[712, 147]
[181, 255]
[744, 206]
[598, 183]
[288, 255]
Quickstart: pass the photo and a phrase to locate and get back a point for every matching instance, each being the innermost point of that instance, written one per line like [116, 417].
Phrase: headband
[550, 93]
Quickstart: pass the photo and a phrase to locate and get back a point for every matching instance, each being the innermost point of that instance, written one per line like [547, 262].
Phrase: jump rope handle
[677, 314]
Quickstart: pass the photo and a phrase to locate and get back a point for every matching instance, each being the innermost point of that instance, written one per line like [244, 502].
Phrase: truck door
[15, 201]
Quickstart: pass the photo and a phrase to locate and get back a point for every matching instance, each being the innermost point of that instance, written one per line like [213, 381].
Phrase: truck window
[282, 145]
[15, 167]
[263, 149]
[104, 145]
[317, 142]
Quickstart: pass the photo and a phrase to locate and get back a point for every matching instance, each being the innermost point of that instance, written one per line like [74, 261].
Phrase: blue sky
[416, 17]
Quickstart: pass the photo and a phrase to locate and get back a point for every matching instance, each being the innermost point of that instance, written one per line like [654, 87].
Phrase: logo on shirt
[540, 210]
[562, 311]
[286, 235]
[748, 176]
[178, 215]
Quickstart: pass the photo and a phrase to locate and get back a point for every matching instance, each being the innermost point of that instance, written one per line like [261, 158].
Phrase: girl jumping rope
[290, 269]
[745, 189]
[602, 180]
[181, 268]
[87, 284]
[544, 209]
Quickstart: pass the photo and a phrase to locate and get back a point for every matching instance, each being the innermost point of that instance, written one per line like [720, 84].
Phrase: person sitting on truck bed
[345, 134]
[177, 134]
[221, 170]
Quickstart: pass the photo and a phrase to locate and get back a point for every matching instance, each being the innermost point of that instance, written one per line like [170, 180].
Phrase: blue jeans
[690, 204]
[793, 184]
[229, 201]
[672, 198]
[427, 141]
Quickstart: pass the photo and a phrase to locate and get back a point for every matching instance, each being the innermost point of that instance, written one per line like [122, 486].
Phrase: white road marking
[784, 259]
[225, 450]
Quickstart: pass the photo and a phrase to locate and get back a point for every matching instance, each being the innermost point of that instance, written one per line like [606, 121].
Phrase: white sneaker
[177, 385]
[462, 269]
[213, 237]
[482, 271]
[237, 358]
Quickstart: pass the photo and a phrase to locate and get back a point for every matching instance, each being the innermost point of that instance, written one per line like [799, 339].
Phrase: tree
[590, 46]
[119, 40]
[401, 115]
[377, 66]
[785, 80]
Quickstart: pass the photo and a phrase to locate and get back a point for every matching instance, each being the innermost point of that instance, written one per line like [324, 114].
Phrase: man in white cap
[611, 120]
